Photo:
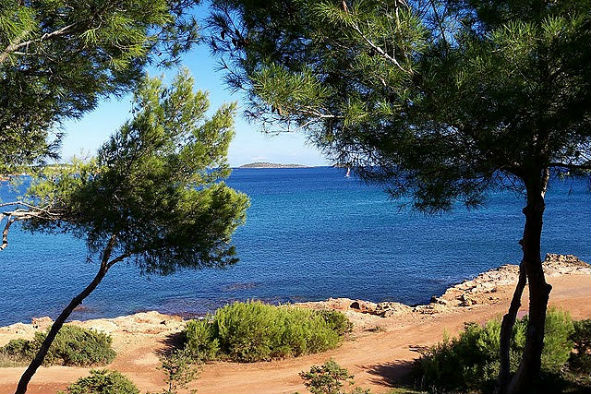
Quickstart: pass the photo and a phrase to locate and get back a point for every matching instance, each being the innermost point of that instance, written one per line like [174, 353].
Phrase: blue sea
[311, 234]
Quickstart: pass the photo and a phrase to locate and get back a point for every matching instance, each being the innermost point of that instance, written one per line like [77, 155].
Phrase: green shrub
[78, 346]
[73, 346]
[253, 331]
[179, 370]
[580, 359]
[17, 351]
[337, 321]
[201, 339]
[103, 382]
[471, 361]
[329, 378]
[557, 343]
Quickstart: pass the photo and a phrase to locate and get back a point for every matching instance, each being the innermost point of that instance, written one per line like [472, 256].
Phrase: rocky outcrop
[479, 290]
[383, 309]
[144, 323]
[475, 291]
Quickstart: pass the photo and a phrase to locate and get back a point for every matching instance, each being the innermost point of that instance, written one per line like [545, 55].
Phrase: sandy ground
[378, 352]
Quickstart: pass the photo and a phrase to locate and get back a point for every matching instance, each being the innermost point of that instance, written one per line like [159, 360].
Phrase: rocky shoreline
[478, 291]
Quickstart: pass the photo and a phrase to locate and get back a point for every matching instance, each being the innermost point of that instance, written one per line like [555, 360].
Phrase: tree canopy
[439, 99]
[59, 57]
[434, 97]
[154, 186]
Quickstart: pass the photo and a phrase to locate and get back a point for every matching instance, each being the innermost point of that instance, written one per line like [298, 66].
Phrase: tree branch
[117, 259]
[17, 45]
[13, 46]
[545, 180]
[571, 166]
[9, 222]
[379, 50]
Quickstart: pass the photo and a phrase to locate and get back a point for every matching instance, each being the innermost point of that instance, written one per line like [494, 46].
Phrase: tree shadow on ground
[392, 374]
[171, 343]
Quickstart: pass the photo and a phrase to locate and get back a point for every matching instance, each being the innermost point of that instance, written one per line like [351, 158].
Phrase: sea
[310, 234]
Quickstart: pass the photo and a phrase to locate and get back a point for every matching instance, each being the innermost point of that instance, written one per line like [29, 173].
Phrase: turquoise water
[310, 234]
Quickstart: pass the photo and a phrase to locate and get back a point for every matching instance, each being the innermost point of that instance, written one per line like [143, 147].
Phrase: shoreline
[480, 290]
[386, 337]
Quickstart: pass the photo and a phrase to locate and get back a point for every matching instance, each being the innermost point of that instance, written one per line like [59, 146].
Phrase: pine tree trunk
[507, 333]
[57, 325]
[61, 319]
[539, 290]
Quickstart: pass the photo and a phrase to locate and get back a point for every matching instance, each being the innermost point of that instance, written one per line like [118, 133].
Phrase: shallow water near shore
[310, 234]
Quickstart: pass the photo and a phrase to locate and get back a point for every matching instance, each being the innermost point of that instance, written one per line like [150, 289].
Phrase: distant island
[264, 164]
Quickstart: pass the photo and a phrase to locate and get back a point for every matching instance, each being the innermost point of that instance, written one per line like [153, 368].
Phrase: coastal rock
[19, 329]
[439, 300]
[472, 291]
[430, 309]
[41, 323]
[466, 301]
[389, 309]
[363, 306]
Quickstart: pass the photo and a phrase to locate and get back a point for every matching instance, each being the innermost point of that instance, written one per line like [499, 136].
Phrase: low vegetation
[179, 369]
[470, 362]
[73, 346]
[102, 382]
[254, 331]
[580, 359]
[329, 378]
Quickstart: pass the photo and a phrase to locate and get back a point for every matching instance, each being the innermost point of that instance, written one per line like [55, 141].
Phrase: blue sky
[249, 144]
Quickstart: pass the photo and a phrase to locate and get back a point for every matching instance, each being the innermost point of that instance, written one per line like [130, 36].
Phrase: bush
[471, 361]
[73, 346]
[253, 331]
[179, 370]
[18, 351]
[337, 321]
[580, 359]
[103, 382]
[329, 378]
[201, 339]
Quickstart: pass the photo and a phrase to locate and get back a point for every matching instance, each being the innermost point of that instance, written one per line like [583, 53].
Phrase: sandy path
[375, 358]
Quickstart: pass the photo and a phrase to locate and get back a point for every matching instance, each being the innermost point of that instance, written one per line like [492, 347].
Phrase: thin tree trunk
[539, 290]
[507, 332]
[61, 319]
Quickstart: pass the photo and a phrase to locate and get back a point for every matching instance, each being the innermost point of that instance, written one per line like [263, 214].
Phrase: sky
[84, 136]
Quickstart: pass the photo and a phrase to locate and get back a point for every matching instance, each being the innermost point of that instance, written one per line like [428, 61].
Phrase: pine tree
[152, 196]
[440, 100]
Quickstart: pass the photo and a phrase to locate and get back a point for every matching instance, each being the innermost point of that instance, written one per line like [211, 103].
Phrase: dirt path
[376, 357]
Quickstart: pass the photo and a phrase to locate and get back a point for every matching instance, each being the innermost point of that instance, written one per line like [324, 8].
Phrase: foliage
[337, 321]
[470, 362]
[329, 378]
[557, 343]
[434, 98]
[154, 191]
[253, 331]
[103, 382]
[179, 368]
[73, 346]
[78, 346]
[17, 350]
[59, 58]
[580, 359]
[201, 339]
